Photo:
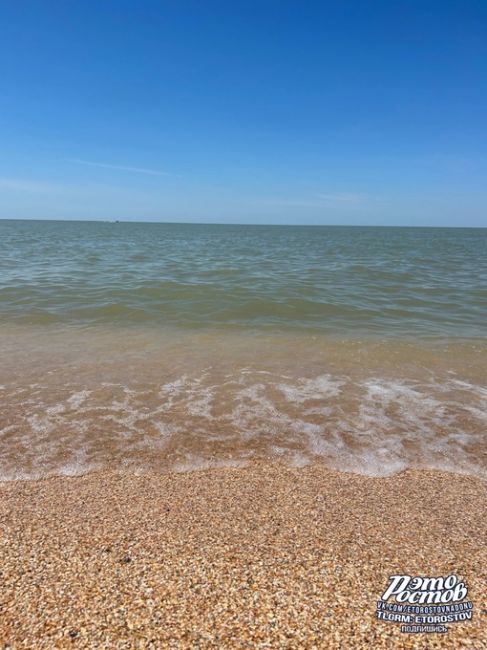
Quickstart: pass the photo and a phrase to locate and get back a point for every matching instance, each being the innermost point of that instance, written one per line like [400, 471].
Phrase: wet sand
[261, 557]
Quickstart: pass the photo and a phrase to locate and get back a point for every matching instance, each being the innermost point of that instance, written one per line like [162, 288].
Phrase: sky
[271, 111]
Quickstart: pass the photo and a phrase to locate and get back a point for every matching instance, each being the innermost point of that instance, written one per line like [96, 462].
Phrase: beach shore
[261, 557]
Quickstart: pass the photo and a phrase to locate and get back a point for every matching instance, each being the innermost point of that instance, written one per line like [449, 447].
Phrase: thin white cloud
[343, 197]
[25, 185]
[299, 203]
[123, 168]
[339, 200]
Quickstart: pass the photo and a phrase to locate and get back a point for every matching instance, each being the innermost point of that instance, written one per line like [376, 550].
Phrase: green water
[404, 282]
[161, 347]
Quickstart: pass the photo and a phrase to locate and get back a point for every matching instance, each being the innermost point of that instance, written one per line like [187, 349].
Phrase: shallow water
[156, 347]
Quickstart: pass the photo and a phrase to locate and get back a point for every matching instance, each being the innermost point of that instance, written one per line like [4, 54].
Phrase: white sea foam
[317, 388]
[78, 398]
[371, 425]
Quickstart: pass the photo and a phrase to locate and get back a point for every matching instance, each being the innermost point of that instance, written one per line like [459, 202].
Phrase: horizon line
[239, 223]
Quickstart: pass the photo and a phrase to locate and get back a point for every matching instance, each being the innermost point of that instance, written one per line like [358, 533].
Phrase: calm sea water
[400, 282]
[165, 346]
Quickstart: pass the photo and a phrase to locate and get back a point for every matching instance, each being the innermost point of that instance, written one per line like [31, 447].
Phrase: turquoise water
[162, 347]
[404, 282]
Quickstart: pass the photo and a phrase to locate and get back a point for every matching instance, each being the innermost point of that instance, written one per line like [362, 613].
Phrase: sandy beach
[261, 557]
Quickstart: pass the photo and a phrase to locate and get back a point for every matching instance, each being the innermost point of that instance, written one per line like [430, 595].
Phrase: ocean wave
[374, 426]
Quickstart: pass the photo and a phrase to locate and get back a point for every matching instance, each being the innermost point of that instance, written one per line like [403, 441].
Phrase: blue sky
[269, 111]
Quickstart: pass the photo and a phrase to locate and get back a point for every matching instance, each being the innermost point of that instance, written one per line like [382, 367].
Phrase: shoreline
[234, 465]
[259, 556]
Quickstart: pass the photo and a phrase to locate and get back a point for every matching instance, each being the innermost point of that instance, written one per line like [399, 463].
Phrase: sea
[157, 347]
